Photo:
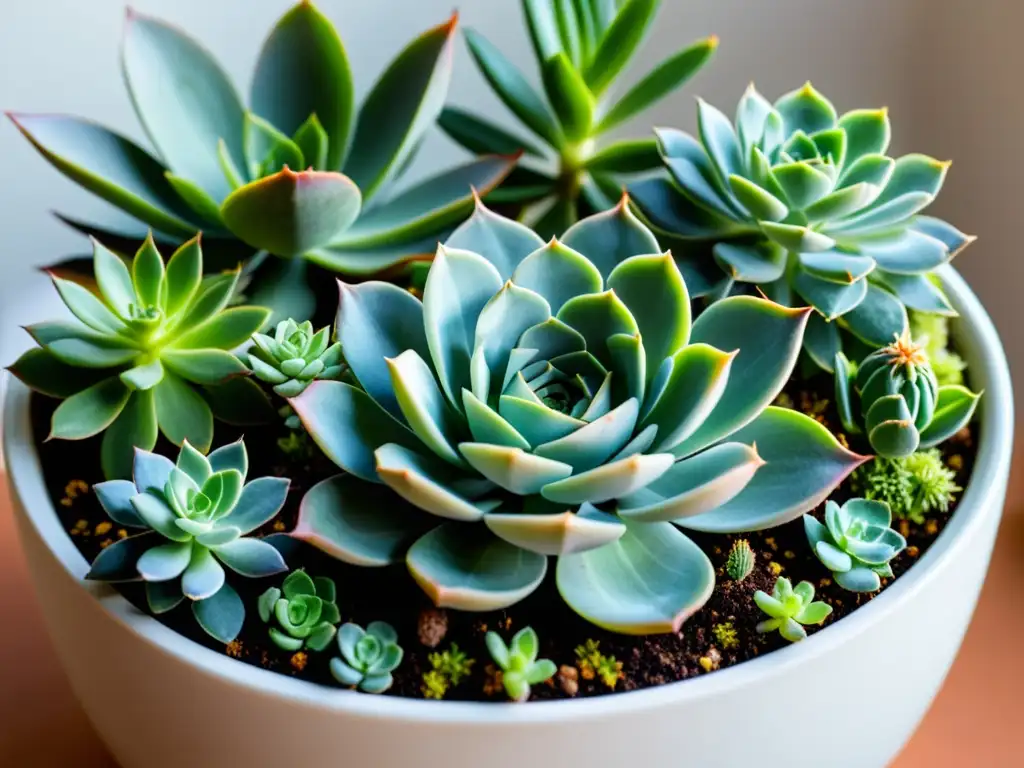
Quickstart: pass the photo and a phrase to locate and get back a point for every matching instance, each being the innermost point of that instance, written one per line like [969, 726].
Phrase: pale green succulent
[790, 609]
[294, 357]
[554, 399]
[197, 514]
[299, 173]
[901, 406]
[518, 662]
[569, 169]
[149, 349]
[303, 612]
[368, 657]
[805, 204]
[856, 543]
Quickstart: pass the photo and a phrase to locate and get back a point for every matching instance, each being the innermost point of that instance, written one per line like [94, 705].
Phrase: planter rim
[980, 344]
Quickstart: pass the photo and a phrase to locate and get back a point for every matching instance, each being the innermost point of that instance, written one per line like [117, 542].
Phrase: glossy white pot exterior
[853, 692]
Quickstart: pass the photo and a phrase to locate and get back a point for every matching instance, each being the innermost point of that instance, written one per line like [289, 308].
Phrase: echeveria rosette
[302, 612]
[368, 656]
[569, 169]
[541, 403]
[894, 399]
[194, 516]
[518, 662]
[300, 172]
[790, 608]
[805, 205]
[148, 351]
[294, 357]
[856, 543]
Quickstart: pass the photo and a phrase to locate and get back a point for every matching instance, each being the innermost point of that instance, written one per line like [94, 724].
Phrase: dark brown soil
[719, 635]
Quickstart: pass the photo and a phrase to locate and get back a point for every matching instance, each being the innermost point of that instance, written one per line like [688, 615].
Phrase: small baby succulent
[554, 399]
[143, 353]
[303, 611]
[518, 662]
[901, 406]
[790, 608]
[196, 515]
[294, 357]
[806, 205]
[912, 486]
[740, 562]
[581, 49]
[856, 543]
[368, 656]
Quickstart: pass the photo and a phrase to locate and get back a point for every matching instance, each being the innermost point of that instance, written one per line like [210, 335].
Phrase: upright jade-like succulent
[146, 351]
[806, 205]
[299, 173]
[581, 48]
[790, 608]
[901, 406]
[195, 516]
[518, 662]
[302, 613]
[368, 656]
[555, 399]
[856, 543]
[294, 357]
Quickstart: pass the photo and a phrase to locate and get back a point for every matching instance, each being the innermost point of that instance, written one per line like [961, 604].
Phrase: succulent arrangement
[145, 355]
[790, 609]
[855, 543]
[581, 48]
[195, 516]
[303, 612]
[522, 374]
[902, 407]
[300, 174]
[804, 204]
[538, 403]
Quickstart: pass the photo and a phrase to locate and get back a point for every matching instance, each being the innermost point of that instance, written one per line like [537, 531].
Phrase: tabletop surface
[976, 720]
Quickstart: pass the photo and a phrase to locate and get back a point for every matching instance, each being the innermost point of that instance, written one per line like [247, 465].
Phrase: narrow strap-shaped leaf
[267, 149]
[543, 25]
[183, 99]
[502, 241]
[627, 156]
[569, 97]
[481, 136]
[619, 42]
[403, 103]
[303, 70]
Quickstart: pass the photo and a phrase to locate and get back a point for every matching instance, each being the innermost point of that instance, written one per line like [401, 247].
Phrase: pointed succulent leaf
[251, 557]
[183, 99]
[794, 237]
[914, 173]
[303, 70]
[867, 132]
[201, 366]
[512, 468]
[268, 150]
[135, 427]
[43, 372]
[109, 166]
[358, 522]
[758, 263]
[648, 581]
[953, 409]
[87, 307]
[259, 502]
[377, 321]
[115, 498]
[512, 87]
[626, 156]
[768, 337]
[609, 481]
[837, 266]
[290, 213]
[596, 442]
[204, 207]
[470, 569]
[802, 183]
[803, 464]
[481, 136]
[402, 104]
[503, 242]
[424, 406]
[609, 238]
[76, 345]
[182, 413]
[619, 42]
[665, 78]
[669, 211]
[505, 317]
[90, 411]
[877, 318]
[313, 141]
[879, 217]
[806, 110]
[556, 533]
[557, 273]
[822, 341]
[221, 616]
[831, 299]
[183, 277]
[117, 562]
[148, 274]
[426, 483]
[569, 96]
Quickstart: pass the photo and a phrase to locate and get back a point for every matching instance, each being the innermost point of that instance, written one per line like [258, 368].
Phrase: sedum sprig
[569, 168]
[195, 516]
[856, 543]
[143, 353]
[790, 608]
[518, 662]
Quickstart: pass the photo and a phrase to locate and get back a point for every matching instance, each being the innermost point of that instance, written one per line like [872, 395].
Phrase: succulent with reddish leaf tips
[856, 543]
[581, 48]
[805, 205]
[555, 399]
[299, 173]
[901, 406]
[294, 357]
[195, 516]
[149, 350]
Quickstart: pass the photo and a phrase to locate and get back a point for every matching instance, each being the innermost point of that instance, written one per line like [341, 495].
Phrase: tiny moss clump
[726, 635]
[449, 668]
[592, 663]
[912, 486]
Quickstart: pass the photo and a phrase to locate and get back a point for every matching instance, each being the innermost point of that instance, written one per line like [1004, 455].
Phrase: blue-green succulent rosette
[189, 519]
[556, 399]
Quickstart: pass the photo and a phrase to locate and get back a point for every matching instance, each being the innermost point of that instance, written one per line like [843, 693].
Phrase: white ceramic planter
[852, 693]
